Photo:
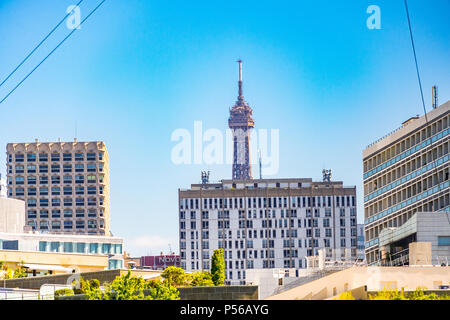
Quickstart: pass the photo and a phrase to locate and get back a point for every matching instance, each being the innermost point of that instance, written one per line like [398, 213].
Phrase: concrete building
[406, 172]
[361, 281]
[423, 227]
[51, 251]
[65, 185]
[12, 215]
[360, 243]
[265, 223]
[3, 192]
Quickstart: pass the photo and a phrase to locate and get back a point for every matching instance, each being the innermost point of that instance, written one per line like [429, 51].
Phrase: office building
[265, 223]
[406, 172]
[65, 185]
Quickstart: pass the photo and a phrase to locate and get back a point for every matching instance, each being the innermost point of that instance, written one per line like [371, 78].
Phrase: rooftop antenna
[326, 175]
[434, 91]
[260, 164]
[205, 177]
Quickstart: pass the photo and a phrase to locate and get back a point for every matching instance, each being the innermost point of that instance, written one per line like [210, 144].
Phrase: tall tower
[240, 122]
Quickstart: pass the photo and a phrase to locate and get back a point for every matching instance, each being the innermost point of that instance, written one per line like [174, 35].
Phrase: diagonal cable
[59, 44]
[36, 47]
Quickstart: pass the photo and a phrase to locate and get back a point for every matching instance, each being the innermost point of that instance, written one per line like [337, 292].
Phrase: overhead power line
[434, 162]
[36, 47]
[51, 52]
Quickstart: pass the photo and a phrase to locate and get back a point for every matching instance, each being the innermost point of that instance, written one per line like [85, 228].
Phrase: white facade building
[3, 190]
[265, 223]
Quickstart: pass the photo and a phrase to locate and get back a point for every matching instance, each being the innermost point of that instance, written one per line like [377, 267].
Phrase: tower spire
[241, 122]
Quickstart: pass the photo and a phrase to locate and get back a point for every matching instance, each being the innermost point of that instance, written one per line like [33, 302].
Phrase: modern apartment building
[65, 185]
[265, 223]
[405, 172]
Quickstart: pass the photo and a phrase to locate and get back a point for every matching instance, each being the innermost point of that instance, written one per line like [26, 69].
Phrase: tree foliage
[128, 287]
[174, 276]
[201, 279]
[9, 273]
[63, 292]
[218, 267]
[418, 294]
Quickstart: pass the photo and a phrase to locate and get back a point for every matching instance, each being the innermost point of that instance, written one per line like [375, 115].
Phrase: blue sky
[138, 70]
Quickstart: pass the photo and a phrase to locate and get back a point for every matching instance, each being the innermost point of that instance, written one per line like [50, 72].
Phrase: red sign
[160, 262]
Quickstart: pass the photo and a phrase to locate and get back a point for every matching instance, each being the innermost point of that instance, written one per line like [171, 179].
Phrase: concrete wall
[12, 215]
[430, 225]
[374, 278]
[205, 293]
[219, 293]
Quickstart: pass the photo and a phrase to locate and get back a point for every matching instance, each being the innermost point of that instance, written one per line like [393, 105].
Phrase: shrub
[63, 292]
[201, 279]
[175, 276]
[346, 296]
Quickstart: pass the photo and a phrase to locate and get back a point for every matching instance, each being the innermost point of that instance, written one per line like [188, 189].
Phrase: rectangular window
[43, 180]
[43, 169]
[20, 192]
[443, 240]
[56, 213]
[79, 213]
[67, 168]
[79, 190]
[91, 190]
[90, 156]
[55, 157]
[91, 168]
[55, 168]
[79, 157]
[56, 202]
[31, 157]
[56, 225]
[20, 169]
[55, 191]
[67, 157]
[80, 224]
[79, 168]
[68, 225]
[43, 157]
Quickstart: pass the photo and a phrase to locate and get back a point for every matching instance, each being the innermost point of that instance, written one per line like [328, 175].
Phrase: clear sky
[138, 70]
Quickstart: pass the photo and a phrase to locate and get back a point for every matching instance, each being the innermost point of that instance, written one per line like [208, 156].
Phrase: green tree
[201, 279]
[175, 277]
[63, 292]
[218, 267]
[159, 290]
[127, 287]
[9, 273]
